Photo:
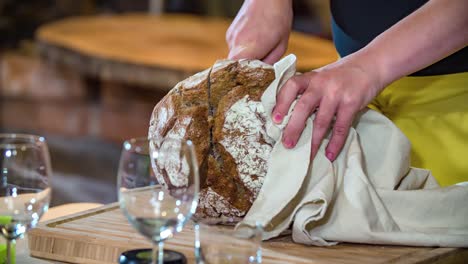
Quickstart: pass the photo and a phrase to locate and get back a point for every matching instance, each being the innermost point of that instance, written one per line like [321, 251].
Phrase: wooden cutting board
[100, 235]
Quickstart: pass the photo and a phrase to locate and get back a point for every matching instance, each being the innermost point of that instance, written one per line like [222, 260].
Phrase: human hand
[260, 30]
[339, 89]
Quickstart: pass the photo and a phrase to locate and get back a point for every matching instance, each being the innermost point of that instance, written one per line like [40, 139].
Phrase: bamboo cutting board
[100, 235]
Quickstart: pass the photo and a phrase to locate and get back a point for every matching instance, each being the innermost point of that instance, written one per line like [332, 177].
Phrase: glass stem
[154, 254]
[161, 252]
[158, 253]
[8, 251]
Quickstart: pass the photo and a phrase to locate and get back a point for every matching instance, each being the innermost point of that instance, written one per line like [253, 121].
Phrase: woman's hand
[260, 30]
[340, 90]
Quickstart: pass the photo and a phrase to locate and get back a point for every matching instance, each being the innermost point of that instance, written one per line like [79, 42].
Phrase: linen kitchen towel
[369, 194]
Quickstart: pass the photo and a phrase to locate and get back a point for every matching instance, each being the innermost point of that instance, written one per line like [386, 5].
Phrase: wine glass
[219, 244]
[24, 186]
[158, 185]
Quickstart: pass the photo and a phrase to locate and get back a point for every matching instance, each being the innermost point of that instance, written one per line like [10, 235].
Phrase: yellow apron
[432, 111]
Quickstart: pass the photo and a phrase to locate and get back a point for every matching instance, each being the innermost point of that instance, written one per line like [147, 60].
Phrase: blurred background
[85, 103]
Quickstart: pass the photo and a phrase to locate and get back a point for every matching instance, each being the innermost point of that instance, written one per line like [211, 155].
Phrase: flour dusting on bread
[169, 160]
[195, 80]
[243, 132]
[215, 205]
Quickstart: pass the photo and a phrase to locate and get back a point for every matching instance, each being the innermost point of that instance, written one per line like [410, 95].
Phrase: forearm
[434, 31]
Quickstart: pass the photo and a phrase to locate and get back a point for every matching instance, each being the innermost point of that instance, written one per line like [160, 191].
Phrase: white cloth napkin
[369, 194]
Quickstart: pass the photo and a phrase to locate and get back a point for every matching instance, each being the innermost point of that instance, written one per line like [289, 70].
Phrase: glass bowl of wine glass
[158, 186]
[225, 244]
[24, 185]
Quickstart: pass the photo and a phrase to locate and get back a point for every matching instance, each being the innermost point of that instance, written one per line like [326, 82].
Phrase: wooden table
[99, 235]
[155, 51]
[101, 76]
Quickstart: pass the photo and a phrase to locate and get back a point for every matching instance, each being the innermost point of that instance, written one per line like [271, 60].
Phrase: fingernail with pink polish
[288, 143]
[277, 118]
[330, 155]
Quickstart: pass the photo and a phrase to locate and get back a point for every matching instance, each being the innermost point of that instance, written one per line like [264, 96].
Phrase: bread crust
[220, 111]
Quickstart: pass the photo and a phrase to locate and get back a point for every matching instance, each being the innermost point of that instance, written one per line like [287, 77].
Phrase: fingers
[322, 122]
[275, 54]
[250, 35]
[346, 113]
[344, 120]
[247, 51]
[332, 103]
[340, 89]
[288, 93]
[237, 25]
[230, 33]
[250, 51]
[302, 110]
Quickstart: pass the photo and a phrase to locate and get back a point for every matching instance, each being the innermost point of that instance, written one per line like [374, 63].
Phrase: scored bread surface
[220, 111]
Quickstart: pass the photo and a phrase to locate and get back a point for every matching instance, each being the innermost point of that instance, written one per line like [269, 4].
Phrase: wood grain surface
[100, 235]
[155, 50]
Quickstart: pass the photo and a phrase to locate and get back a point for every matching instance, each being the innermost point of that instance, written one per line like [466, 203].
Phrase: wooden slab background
[100, 235]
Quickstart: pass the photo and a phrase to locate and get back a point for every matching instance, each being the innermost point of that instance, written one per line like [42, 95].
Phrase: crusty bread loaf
[220, 111]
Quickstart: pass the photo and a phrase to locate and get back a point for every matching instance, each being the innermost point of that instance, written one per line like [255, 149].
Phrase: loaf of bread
[220, 111]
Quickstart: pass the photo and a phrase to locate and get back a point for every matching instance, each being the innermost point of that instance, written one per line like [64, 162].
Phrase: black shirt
[357, 22]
